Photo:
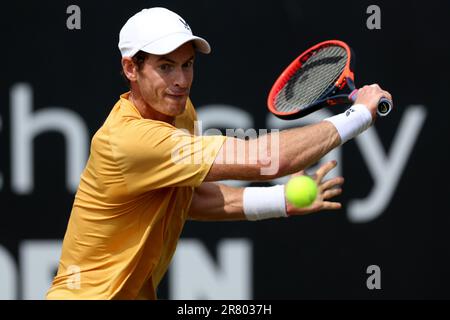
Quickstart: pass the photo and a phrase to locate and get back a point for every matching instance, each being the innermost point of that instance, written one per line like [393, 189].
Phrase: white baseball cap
[158, 31]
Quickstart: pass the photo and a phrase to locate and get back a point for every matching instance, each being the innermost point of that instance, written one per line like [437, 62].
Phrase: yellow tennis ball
[301, 191]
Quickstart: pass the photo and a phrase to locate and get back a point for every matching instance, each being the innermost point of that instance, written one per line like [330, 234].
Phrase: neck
[146, 111]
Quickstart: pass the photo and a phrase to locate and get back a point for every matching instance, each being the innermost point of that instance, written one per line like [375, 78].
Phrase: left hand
[325, 190]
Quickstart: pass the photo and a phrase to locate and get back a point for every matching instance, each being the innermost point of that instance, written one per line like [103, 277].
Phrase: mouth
[182, 94]
[176, 96]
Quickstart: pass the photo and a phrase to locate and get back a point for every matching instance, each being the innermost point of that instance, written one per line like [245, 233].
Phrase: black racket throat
[337, 100]
[333, 96]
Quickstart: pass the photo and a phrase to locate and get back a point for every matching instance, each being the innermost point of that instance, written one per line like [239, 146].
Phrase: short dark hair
[139, 60]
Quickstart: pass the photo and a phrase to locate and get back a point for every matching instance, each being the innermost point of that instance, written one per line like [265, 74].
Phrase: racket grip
[384, 105]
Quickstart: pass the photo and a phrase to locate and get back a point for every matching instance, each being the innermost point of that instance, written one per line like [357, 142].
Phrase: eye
[188, 64]
[165, 67]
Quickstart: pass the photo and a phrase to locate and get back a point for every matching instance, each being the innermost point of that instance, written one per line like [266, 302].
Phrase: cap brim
[172, 42]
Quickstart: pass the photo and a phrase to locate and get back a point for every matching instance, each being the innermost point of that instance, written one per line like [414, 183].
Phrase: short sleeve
[153, 154]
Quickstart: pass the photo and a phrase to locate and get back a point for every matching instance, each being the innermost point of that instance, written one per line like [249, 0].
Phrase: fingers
[338, 181]
[328, 205]
[387, 95]
[331, 193]
[383, 93]
[321, 172]
[370, 97]
[324, 169]
[317, 206]
[376, 90]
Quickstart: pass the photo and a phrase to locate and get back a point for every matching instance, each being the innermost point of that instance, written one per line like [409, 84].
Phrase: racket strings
[312, 79]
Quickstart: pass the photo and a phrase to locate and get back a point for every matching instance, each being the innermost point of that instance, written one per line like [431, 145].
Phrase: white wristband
[352, 122]
[264, 202]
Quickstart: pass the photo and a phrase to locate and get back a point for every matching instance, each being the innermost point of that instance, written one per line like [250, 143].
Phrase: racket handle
[384, 105]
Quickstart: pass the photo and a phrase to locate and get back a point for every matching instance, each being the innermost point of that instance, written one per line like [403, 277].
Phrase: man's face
[165, 81]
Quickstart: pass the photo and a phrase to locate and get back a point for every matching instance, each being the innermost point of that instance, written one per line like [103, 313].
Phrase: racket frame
[330, 97]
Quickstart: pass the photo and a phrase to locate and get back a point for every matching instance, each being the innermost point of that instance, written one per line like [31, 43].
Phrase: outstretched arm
[279, 154]
[219, 202]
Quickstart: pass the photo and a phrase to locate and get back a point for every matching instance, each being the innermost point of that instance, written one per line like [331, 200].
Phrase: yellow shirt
[131, 205]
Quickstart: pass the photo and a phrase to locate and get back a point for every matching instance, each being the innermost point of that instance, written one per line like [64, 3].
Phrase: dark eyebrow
[165, 58]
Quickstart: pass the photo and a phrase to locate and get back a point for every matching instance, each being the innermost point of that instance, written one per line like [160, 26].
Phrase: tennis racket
[320, 77]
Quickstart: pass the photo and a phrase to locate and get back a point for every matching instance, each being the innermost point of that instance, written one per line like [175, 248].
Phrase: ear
[129, 68]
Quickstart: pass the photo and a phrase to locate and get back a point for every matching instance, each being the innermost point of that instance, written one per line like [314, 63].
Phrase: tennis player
[135, 195]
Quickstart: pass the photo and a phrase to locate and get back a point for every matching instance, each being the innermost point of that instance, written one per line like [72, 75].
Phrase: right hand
[370, 96]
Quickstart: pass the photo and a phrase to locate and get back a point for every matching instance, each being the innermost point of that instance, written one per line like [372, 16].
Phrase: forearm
[274, 155]
[217, 202]
[301, 147]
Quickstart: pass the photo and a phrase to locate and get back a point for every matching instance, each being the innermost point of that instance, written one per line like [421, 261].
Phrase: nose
[182, 79]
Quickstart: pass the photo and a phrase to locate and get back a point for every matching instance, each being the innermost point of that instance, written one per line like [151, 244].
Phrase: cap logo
[185, 24]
